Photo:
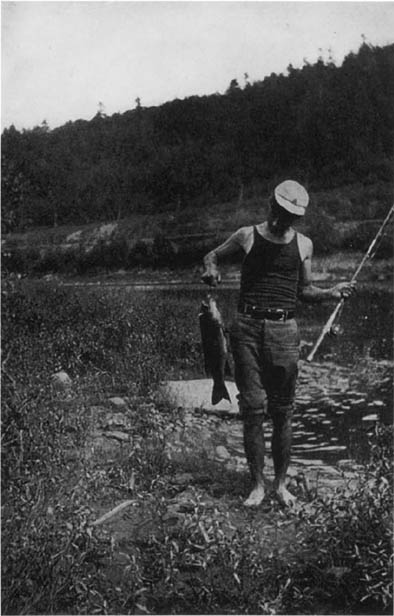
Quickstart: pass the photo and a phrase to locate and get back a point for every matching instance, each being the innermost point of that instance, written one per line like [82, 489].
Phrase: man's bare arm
[310, 293]
[232, 245]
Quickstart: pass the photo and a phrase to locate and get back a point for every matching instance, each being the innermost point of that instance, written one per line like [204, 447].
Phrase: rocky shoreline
[203, 445]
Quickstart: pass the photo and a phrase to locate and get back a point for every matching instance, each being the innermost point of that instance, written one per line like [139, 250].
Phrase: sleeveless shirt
[270, 274]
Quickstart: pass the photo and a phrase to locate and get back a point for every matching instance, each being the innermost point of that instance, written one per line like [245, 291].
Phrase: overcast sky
[60, 59]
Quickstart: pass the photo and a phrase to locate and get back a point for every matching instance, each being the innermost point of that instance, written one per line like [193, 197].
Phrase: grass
[56, 562]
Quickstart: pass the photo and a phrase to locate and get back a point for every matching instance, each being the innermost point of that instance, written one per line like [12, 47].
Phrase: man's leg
[254, 450]
[280, 374]
[246, 337]
[281, 447]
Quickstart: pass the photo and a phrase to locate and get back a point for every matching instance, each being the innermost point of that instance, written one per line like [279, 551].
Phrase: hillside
[166, 168]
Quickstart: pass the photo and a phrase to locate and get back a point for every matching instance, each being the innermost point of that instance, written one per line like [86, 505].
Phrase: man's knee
[252, 404]
[281, 409]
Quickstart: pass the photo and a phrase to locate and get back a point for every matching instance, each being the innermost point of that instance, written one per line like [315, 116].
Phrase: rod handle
[325, 329]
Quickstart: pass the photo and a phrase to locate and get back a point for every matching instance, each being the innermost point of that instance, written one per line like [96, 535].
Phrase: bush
[342, 563]
[321, 228]
[140, 254]
[49, 554]
[361, 238]
[347, 558]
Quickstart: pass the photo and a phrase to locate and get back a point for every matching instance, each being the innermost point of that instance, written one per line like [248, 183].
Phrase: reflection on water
[337, 408]
[348, 387]
[336, 411]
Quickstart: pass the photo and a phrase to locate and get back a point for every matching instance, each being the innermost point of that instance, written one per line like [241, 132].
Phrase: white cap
[292, 197]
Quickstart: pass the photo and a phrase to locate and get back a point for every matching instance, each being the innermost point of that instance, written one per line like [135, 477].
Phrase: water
[340, 395]
[348, 387]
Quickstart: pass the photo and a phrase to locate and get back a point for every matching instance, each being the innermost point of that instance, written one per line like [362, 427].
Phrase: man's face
[280, 220]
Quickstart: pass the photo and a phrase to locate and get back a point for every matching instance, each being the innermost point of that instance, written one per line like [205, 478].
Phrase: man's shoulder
[243, 237]
[305, 246]
[243, 233]
[245, 230]
[303, 239]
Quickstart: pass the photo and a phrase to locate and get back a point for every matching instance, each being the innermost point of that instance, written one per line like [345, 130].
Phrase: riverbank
[326, 270]
[118, 499]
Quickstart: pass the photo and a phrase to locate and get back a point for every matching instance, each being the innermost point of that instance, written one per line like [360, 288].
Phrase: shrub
[320, 227]
[49, 555]
[140, 254]
[362, 236]
[347, 557]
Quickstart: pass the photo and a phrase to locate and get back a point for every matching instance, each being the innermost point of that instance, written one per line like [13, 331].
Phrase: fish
[215, 348]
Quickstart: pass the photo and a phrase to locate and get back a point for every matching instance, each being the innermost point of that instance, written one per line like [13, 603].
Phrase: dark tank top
[270, 274]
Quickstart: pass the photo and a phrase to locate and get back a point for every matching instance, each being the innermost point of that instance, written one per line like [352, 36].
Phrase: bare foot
[255, 497]
[285, 497]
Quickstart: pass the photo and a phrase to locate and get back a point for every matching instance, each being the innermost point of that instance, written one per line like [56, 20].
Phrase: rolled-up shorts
[266, 355]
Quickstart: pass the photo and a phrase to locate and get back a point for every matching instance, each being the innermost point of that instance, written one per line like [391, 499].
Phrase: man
[276, 269]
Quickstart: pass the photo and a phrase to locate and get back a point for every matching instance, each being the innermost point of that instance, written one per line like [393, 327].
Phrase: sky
[63, 61]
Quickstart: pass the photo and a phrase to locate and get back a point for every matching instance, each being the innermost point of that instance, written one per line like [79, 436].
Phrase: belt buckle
[280, 315]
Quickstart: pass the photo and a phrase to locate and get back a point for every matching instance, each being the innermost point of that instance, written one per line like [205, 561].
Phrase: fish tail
[219, 392]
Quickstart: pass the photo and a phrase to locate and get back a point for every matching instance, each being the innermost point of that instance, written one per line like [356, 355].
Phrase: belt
[272, 314]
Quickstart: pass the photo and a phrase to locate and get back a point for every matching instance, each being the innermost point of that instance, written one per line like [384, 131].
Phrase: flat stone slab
[196, 394]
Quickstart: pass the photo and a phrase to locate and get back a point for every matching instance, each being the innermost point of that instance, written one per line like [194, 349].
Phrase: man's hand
[343, 290]
[211, 277]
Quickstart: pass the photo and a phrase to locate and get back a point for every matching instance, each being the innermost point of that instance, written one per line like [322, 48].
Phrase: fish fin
[219, 392]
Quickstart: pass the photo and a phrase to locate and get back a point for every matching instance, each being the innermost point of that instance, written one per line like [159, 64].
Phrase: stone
[182, 479]
[196, 394]
[113, 420]
[61, 380]
[103, 446]
[121, 559]
[118, 402]
[339, 572]
[222, 453]
[118, 435]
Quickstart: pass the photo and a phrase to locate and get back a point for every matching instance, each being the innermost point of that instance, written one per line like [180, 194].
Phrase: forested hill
[324, 125]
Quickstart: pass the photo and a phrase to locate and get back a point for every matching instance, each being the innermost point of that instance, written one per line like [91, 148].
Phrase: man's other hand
[212, 279]
[343, 290]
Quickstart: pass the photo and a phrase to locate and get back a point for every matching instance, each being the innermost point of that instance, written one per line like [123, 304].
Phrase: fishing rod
[328, 326]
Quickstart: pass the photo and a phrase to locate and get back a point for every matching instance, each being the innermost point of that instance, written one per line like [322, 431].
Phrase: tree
[233, 87]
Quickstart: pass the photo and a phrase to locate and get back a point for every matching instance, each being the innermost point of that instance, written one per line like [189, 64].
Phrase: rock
[371, 417]
[97, 410]
[339, 572]
[121, 559]
[72, 454]
[118, 402]
[222, 453]
[171, 516]
[349, 465]
[49, 277]
[118, 435]
[182, 479]
[114, 420]
[61, 380]
[102, 446]
[196, 394]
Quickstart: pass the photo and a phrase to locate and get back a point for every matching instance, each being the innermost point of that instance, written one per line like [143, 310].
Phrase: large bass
[215, 348]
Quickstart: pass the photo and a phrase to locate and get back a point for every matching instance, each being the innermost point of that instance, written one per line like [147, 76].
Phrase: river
[347, 388]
